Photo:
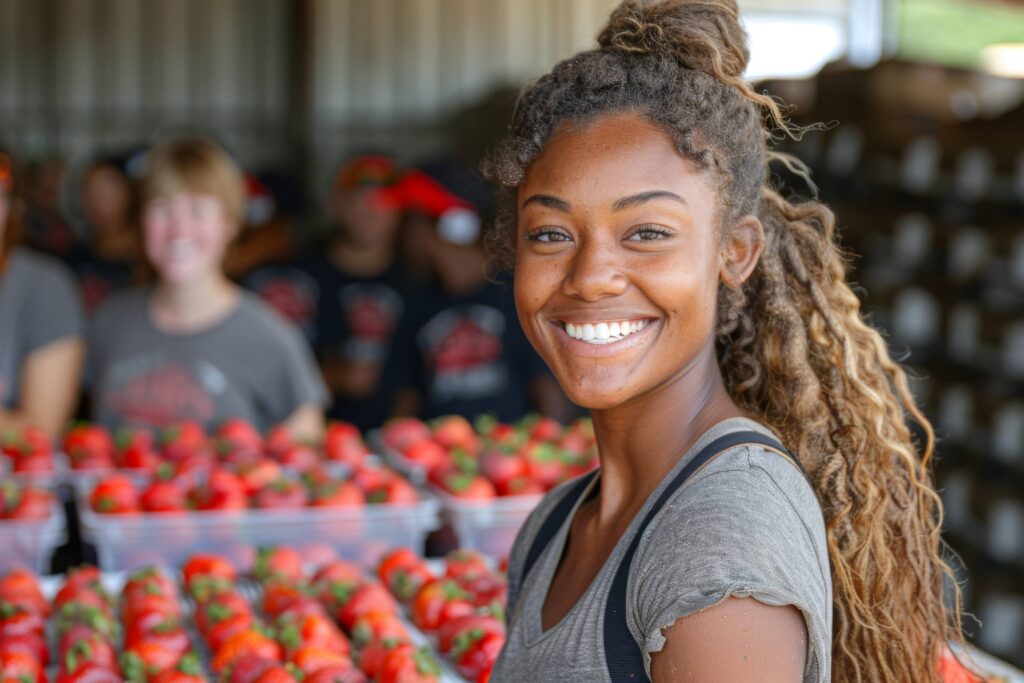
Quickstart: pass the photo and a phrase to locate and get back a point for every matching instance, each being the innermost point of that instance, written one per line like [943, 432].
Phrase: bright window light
[792, 47]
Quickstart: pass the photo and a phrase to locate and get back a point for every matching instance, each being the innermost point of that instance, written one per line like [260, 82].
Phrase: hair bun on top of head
[705, 35]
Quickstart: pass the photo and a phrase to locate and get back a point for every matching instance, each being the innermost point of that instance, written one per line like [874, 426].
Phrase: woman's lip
[601, 350]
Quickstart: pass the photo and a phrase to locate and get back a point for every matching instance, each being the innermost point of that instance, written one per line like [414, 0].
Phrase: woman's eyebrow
[548, 201]
[634, 199]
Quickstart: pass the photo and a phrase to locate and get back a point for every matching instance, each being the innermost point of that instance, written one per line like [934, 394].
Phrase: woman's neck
[194, 306]
[641, 441]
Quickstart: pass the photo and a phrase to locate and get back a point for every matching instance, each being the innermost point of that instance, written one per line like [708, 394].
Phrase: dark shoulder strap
[550, 526]
[623, 656]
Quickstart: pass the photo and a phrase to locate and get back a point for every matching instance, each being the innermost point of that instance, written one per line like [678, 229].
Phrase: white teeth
[603, 333]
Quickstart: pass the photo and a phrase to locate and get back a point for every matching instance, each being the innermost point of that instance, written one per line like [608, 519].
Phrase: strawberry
[455, 431]
[89, 447]
[502, 466]
[439, 601]
[28, 503]
[521, 486]
[395, 491]
[20, 587]
[402, 432]
[237, 435]
[371, 657]
[247, 669]
[90, 672]
[276, 674]
[311, 631]
[344, 443]
[282, 493]
[278, 562]
[374, 627]
[299, 458]
[222, 491]
[20, 667]
[478, 624]
[115, 495]
[336, 674]
[279, 440]
[310, 658]
[34, 463]
[468, 486]
[544, 464]
[183, 440]
[163, 496]
[206, 565]
[475, 652]
[248, 642]
[280, 594]
[365, 598]
[407, 664]
[94, 650]
[29, 441]
[187, 670]
[146, 656]
[257, 474]
[17, 621]
[30, 644]
[335, 494]
[427, 454]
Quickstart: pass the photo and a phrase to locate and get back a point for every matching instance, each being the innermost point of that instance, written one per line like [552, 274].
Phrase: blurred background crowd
[340, 140]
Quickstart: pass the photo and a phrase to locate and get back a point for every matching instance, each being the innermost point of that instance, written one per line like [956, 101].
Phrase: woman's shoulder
[253, 314]
[37, 270]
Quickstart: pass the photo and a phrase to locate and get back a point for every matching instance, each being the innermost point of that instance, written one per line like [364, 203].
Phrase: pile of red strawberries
[493, 458]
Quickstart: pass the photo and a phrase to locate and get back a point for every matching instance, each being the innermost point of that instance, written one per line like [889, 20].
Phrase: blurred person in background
[348, 293]
[194, 346]
[45, 225]
[41, 345]
[462, 350]
[109, 258]
[267, 235]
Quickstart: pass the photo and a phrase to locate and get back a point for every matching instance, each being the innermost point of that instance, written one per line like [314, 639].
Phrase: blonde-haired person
[706, 323]
[194, 346]
[41, 327]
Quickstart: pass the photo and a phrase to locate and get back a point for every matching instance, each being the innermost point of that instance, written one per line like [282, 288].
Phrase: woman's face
[617, 259]
[105, 196]
[186, 236]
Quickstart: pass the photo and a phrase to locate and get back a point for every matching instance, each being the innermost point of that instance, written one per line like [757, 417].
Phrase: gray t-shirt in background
[39, 304]
[747, 524]
[253, 365]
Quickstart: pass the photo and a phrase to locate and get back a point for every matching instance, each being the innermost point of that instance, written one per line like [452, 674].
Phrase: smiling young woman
[705, 321]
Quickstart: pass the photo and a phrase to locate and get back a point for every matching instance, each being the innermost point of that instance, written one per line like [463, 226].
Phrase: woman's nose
[595, 271]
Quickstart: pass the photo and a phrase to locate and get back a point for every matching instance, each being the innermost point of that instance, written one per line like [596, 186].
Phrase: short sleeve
[750, 528]
[53, 308]
[295, 379]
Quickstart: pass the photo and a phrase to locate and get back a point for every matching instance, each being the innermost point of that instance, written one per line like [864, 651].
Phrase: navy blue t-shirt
[468, 355]
[346, 319]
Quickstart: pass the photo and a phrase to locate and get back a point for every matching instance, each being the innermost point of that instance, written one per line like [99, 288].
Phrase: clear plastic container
[488, 526]
[30, 543]
[126, 542]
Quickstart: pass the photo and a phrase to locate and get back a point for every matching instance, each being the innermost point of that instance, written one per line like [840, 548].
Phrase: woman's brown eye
[647, 234]
[547, 236]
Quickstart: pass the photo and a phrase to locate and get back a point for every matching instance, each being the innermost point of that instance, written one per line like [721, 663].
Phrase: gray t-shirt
[747, 524]
[39, 304]
[253, 365]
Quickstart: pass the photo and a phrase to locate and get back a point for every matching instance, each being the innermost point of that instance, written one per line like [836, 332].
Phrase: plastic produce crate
[488, 526]
[31, 543]
[357, 534]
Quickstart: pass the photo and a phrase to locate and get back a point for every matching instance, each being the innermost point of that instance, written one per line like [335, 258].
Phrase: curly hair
[793, 347]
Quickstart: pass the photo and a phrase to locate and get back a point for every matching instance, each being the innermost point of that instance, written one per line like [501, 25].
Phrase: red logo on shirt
[169, 394]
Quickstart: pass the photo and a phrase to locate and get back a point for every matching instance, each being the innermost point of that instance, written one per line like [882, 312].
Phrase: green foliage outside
[954, 32]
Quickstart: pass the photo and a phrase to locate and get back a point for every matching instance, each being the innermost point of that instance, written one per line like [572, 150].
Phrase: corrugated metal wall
[79, 76]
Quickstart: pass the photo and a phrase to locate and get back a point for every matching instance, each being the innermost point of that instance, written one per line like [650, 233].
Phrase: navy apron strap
[550, 526]
[623, 657]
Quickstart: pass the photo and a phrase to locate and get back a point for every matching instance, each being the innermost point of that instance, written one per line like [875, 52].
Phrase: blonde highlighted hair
[195, 165]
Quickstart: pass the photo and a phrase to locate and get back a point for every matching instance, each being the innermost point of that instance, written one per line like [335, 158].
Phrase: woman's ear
[741, 251]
